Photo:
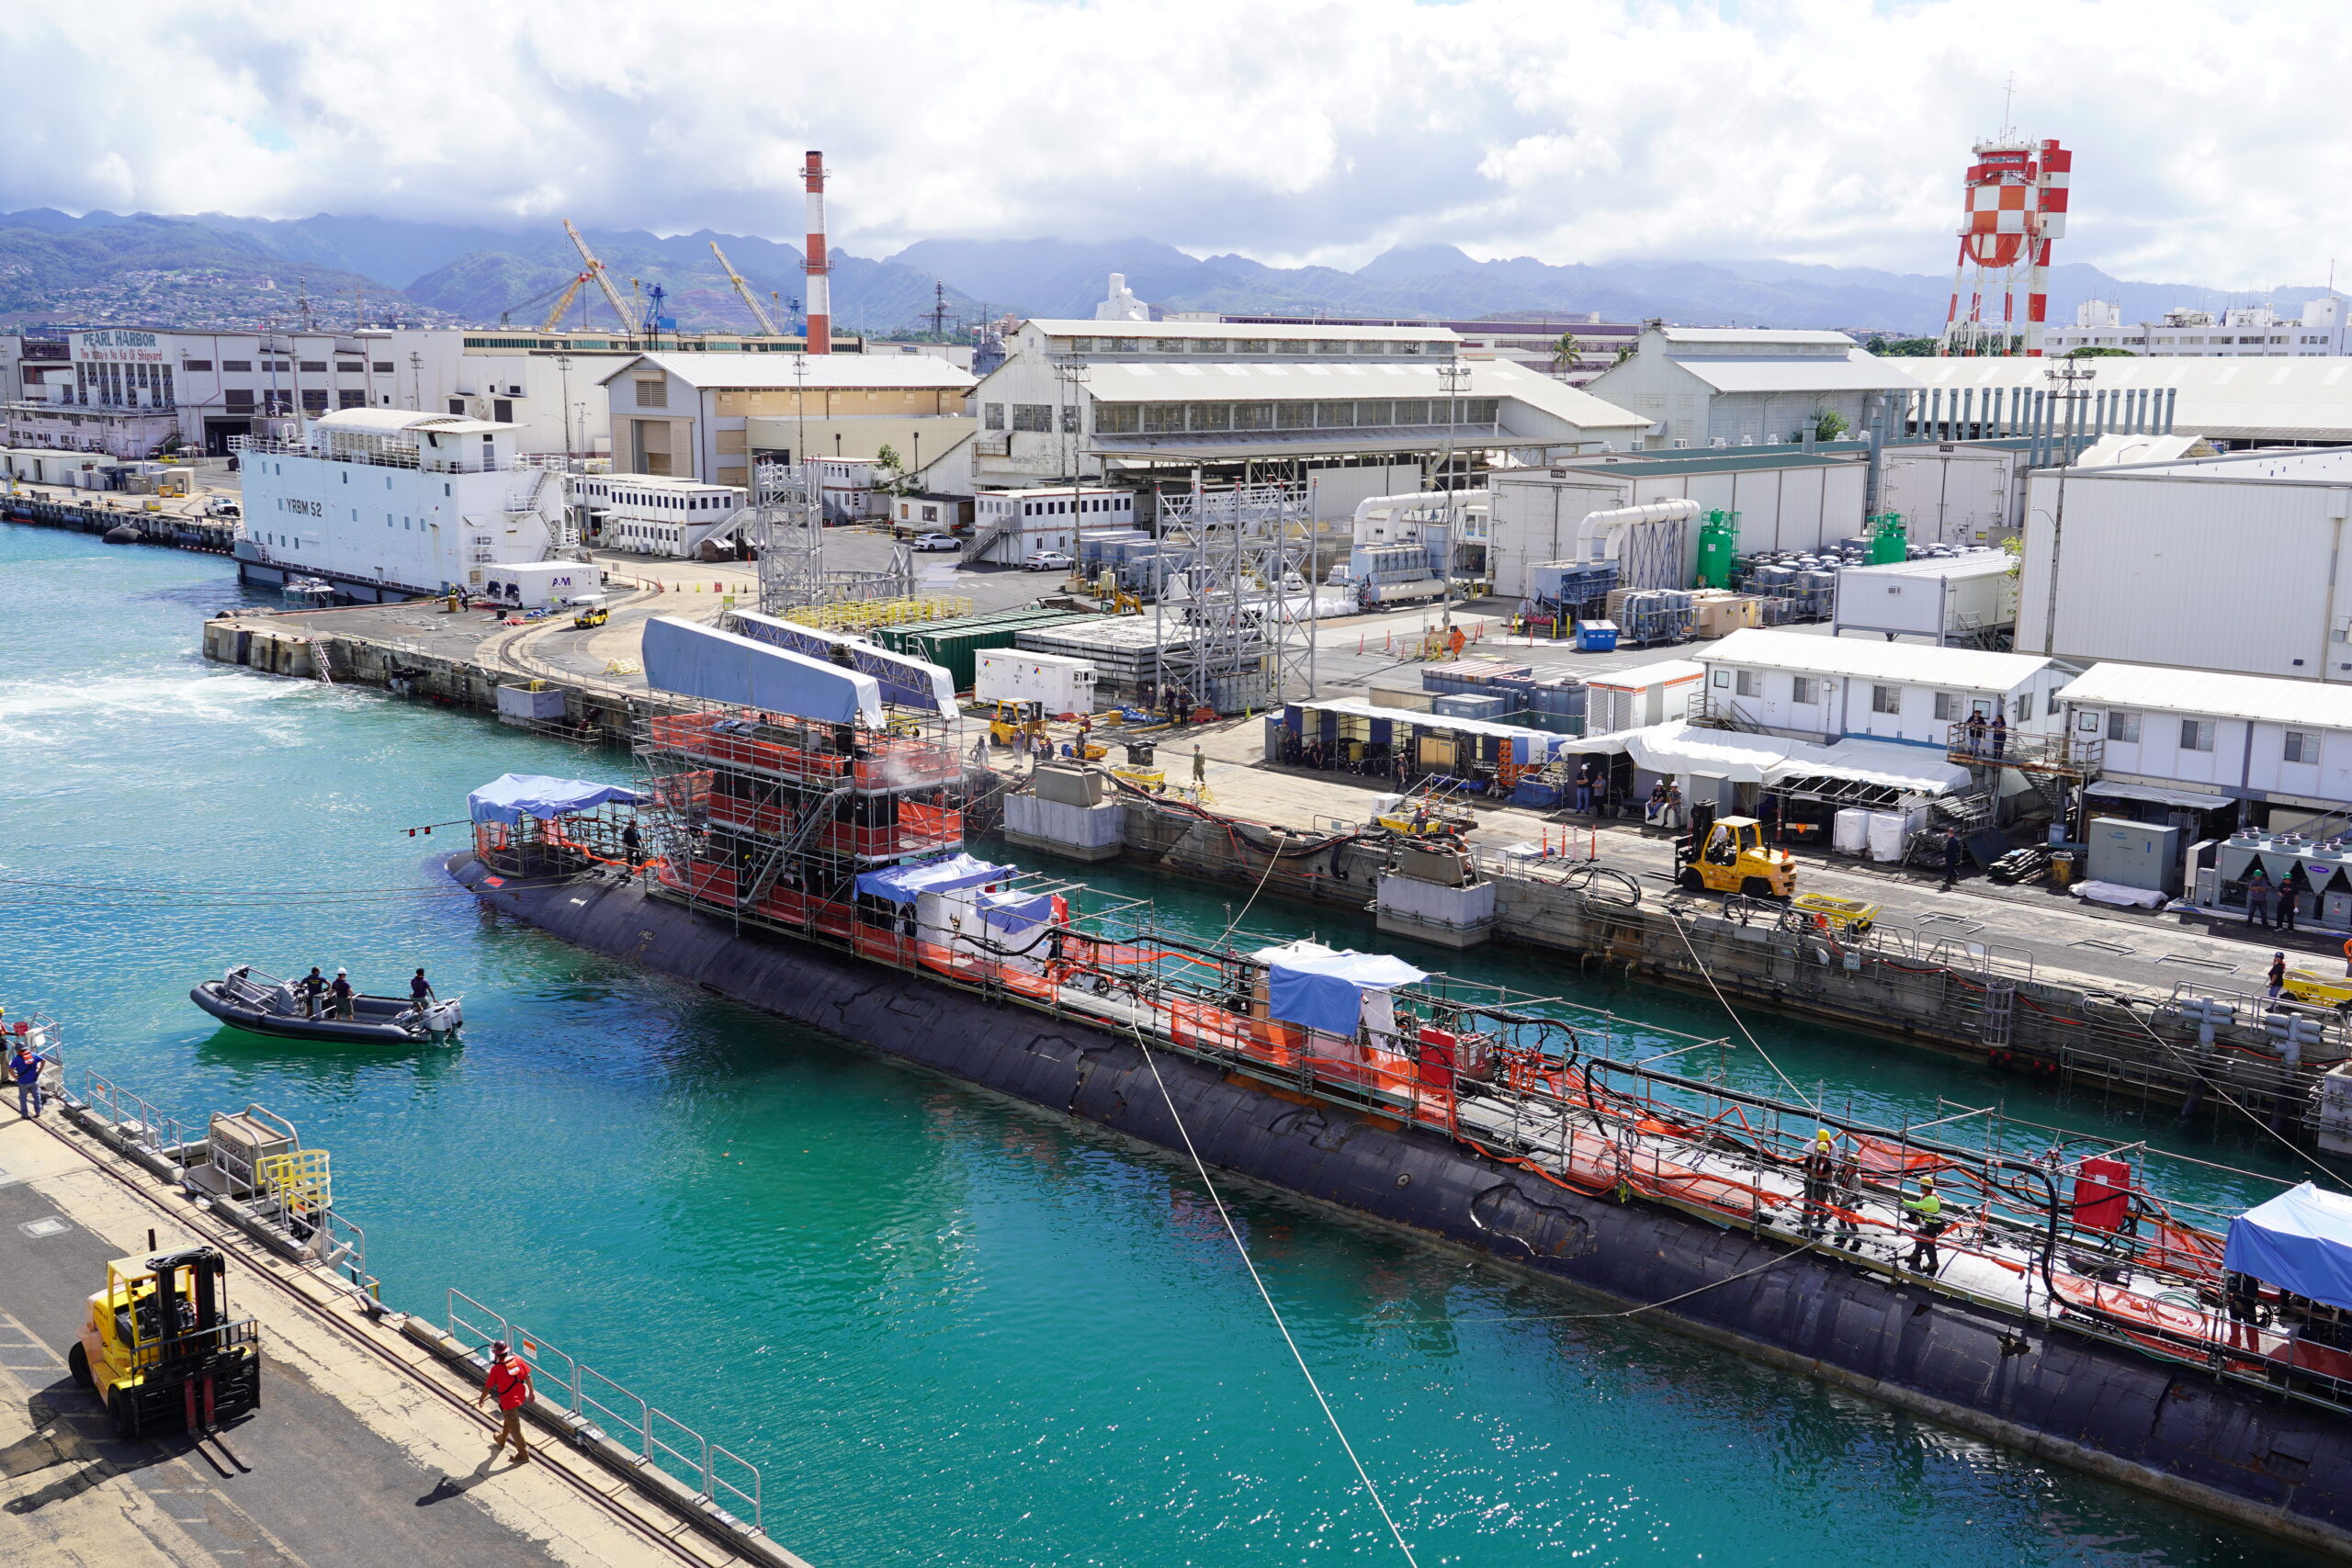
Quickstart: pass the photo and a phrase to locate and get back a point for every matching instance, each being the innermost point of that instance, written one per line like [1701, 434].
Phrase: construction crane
[570, 291]
[743, 289]
[621, 311]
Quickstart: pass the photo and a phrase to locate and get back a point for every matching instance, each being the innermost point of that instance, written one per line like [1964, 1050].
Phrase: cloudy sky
[1829, 130]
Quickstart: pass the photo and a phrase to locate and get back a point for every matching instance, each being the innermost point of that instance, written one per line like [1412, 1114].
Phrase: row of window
[1171, 346]
[2197, 735]
[314, 366]
[1171, 419]
[1951, 707]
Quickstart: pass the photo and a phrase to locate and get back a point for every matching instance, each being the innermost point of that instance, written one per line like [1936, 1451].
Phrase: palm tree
[1565, 354]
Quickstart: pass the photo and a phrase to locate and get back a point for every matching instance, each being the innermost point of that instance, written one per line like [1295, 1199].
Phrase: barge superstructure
[797, 846]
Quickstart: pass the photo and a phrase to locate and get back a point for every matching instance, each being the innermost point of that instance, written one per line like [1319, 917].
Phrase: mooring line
[1701, 965]
[1200, 1168]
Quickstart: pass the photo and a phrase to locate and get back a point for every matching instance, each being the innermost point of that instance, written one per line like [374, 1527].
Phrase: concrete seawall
[1954, 997]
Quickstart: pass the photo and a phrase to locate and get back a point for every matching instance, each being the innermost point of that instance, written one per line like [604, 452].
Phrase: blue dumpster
[1596, 636]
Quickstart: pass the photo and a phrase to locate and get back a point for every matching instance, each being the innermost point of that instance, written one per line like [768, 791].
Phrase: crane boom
[744, 290]
[570, 292]
[621, 311]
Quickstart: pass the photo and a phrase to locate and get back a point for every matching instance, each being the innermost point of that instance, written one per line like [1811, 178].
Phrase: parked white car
[937, 542]
[1048, 561]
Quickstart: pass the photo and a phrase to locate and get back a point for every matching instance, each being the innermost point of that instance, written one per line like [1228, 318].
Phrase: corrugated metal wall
[2197, 574]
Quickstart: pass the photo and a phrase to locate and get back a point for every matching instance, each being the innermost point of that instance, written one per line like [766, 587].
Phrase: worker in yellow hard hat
[1926, 1213]
[1820, 1162]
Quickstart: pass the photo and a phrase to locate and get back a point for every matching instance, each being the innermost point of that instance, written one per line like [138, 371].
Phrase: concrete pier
[366, 1449]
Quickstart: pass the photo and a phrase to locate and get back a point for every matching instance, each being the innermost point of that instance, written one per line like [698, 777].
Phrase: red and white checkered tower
[2016, 207]
[819, 267]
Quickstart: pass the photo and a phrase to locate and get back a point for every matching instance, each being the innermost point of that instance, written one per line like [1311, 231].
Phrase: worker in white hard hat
[339, 994]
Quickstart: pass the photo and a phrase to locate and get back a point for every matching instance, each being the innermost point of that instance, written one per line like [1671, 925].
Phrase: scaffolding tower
[1237, 580]
[786, 526]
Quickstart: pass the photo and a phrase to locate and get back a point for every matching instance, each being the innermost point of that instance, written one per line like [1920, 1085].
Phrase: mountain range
[220, 268]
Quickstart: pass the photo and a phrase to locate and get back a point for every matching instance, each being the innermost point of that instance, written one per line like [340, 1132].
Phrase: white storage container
[1888, 832]
[1065, 685]
[1850, 833]
[541, 585]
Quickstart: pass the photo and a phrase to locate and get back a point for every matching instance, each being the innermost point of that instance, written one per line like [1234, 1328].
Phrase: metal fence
[598, 1407]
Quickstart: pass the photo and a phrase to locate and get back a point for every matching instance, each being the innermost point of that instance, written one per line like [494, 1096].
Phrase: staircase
[986, 535]
[1711, 712]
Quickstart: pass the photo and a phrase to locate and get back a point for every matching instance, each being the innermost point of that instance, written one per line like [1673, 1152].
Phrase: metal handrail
[599, 1407]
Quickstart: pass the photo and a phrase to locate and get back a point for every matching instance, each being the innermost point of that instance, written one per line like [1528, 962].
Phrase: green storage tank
[1890, 540]
[1718, 545]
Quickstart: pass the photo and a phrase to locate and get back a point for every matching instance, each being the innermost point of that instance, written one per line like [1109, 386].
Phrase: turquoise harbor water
[950, 1331]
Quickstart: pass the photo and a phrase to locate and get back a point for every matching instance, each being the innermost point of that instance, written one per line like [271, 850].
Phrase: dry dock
[368, 1449]
[2024, 979]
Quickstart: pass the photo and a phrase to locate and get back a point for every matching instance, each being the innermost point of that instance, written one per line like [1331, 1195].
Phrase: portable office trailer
[1949, 598]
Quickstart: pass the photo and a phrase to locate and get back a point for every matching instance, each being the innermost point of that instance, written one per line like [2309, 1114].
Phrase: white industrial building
[715, 416]
[654, 514]
[123, 391]
[1742, 387]
[2231, 563]
[1831, 689]
[1357, 411]
[388, 503]
[2302, 401]
[2214, 738]
[2242, 331]
[1008, 526]
[1788, 498]
[1959, 598]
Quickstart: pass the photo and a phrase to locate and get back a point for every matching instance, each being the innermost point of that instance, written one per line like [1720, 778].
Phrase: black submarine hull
[2262, 1461]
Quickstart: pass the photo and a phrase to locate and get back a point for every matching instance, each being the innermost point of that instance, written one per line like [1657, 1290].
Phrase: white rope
[1702, 966]
[1266, 1296]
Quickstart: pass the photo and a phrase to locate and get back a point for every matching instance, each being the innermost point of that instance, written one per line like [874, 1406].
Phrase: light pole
[1456, 374]
[563, 370]
[1072, 374]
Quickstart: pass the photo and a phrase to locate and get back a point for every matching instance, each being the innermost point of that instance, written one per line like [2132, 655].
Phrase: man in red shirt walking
[510, 1378]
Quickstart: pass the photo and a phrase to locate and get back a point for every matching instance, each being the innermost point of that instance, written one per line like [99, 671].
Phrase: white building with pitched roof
[1359, 411]
[1743, 387]
[717, 416]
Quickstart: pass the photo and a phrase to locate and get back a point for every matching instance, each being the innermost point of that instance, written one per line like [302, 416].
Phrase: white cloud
[1826, 129]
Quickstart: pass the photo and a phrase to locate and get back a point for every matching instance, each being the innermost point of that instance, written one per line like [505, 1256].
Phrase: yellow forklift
[1727, 854]
[160, 1350]
[593, 616]
[1013, 718]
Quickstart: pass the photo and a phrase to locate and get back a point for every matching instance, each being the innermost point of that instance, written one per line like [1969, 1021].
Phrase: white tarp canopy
[1678, 746]
[2196, 799]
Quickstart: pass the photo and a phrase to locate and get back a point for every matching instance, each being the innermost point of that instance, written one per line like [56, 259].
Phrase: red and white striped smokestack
[820, 287]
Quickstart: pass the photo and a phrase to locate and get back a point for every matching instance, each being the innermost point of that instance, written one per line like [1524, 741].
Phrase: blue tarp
[906, 682]
[719, 667]
[1325, 991]
[2300, 1241]
[510, 798]
[905, 883]
[1017, 911]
